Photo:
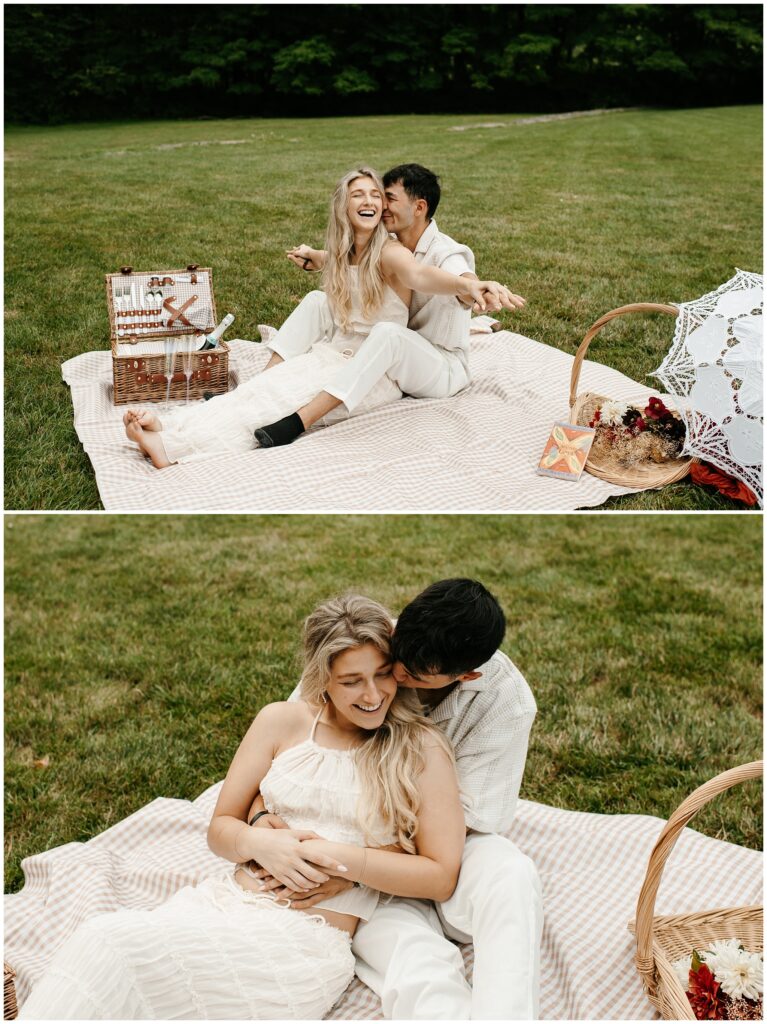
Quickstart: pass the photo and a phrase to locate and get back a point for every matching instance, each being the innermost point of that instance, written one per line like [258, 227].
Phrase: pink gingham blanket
[477, 451]
[591, 866]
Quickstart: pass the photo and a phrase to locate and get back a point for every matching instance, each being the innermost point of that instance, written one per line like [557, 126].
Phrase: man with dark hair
[427, 359]
[445, 645]
[418, 183]
[449, 629]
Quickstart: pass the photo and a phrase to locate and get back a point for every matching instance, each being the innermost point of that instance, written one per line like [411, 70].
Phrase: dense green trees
[72, 62]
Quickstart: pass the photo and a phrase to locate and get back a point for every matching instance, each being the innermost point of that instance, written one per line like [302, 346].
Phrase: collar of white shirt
[423, 243]
[447, 707]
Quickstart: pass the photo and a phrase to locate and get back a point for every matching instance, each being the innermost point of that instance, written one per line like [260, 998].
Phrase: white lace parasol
[714, 366]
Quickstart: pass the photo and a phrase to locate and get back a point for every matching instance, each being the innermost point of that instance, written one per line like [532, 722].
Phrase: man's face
[399, 209]
[424, 682]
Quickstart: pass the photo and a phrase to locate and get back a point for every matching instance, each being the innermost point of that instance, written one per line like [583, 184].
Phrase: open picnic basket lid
[663, 939]
[160, 303]
[582, 407]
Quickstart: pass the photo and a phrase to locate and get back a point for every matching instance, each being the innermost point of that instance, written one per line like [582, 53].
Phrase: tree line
[71, 62]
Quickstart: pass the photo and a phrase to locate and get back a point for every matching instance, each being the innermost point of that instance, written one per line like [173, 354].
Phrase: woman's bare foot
[143, 417]
[149, 441]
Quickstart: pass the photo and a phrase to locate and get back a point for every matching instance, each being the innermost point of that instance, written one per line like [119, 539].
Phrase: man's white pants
[416, 366]
[404, 957]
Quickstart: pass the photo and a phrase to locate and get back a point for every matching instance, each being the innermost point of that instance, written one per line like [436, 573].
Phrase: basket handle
[665, 844]
[580, 355]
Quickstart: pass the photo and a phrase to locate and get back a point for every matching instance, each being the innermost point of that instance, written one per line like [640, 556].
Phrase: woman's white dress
[217, 951]
[226, 423]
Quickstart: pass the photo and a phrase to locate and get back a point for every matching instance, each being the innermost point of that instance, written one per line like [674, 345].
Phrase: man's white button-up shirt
[442, 319]
[488, 722]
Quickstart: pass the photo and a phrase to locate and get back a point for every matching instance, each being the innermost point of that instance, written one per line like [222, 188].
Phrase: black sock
[282, 432]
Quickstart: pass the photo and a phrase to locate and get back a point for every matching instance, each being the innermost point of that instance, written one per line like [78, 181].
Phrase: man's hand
[303, 900]
[271, 821]
[304, 257]
[266, 820]
[472, 293]
[497, 296]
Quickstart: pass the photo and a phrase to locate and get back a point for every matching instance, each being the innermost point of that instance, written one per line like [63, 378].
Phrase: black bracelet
[255, 817]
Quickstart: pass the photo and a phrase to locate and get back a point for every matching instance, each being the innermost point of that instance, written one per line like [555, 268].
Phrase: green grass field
[580, 216]
[138, 649]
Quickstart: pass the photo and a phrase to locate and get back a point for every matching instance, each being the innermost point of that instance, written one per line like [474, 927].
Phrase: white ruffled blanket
[591, 866]
[477, 451]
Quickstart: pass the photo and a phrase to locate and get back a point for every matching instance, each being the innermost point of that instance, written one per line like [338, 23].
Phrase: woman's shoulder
[393, 251]
[286, 715]
[433, 741]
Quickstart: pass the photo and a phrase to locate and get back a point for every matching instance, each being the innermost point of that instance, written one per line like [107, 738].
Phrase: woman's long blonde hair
[391, 757]
[339, 243]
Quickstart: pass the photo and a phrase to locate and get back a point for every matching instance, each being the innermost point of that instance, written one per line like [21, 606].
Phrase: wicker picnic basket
[10, 1009]
[662, 940]
[169, 327]
[582, 407]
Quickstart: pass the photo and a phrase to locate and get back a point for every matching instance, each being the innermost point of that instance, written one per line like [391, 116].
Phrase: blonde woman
[354, 762]
[368, 278]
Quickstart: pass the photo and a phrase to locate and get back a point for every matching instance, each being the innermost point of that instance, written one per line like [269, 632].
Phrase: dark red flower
[704, 995]
[639, 425]
[705, 473]
[656, 410]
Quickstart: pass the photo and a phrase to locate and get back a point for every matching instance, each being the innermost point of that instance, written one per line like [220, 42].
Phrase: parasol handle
[580, 355]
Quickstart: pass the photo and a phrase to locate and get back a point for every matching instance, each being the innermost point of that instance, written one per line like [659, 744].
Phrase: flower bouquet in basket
[636, 434]
[724, 982]
[635, 445]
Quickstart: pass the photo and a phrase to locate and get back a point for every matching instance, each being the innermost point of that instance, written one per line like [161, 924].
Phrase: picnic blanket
[477, 451]
[591, 867]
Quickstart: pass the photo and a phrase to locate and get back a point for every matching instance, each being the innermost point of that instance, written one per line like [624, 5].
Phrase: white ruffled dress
[217, 951]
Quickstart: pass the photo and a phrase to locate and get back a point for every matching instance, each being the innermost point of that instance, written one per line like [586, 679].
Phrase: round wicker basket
[644, 475]
[662, 940]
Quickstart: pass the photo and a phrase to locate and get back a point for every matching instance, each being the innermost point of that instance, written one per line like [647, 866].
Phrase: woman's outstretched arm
[433, 872]
[398, 262]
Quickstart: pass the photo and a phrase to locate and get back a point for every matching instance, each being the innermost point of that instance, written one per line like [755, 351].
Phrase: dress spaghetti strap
[314, 725]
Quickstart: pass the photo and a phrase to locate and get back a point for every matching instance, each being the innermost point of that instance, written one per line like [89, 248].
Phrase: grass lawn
[138, 649]
[580, 216]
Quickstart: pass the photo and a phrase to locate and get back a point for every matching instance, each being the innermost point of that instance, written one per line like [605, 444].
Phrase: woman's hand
[472, 293]
[306, 258]
[279, 852]
[324, 891]
[497, 296]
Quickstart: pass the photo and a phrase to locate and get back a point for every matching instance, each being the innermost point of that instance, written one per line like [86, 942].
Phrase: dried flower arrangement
[634, 435]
